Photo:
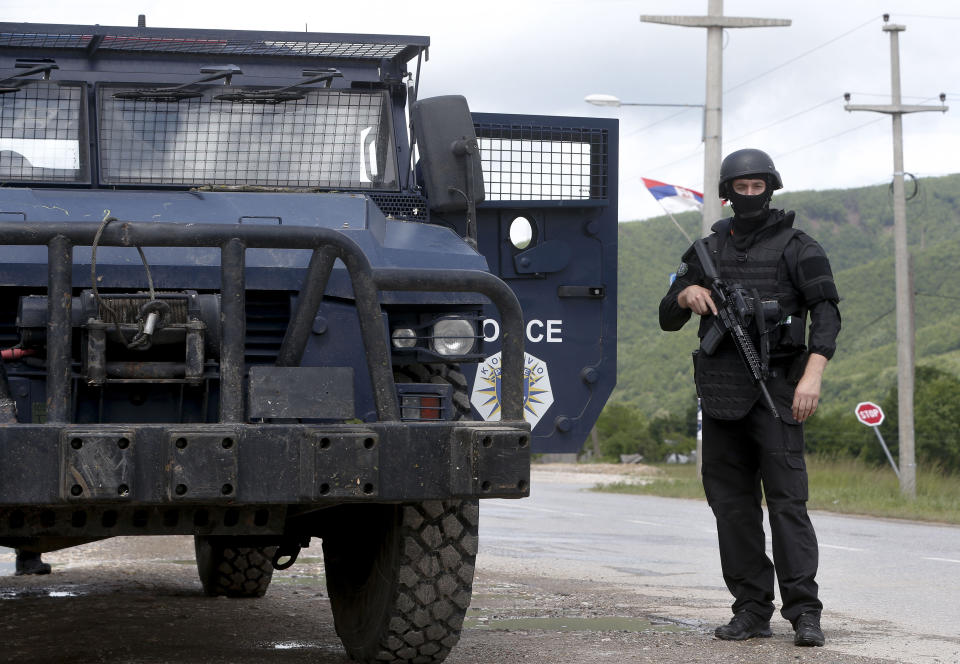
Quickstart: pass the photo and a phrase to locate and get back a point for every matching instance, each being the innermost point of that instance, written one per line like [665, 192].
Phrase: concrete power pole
[904, 285]
[714, 22]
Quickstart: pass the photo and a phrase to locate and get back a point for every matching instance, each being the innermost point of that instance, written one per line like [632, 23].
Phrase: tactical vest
[724, 385]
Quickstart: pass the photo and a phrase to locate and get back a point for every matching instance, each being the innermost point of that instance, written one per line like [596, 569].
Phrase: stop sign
[869, 413]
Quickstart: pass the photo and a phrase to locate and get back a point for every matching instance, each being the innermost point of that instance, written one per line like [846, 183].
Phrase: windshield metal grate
[330, 139]
[40, 133]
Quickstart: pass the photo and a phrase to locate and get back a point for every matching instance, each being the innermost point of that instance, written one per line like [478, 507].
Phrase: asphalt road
[567, 575]
[891, 587]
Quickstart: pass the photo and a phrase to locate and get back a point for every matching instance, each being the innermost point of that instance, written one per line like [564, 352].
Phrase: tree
[936, 419]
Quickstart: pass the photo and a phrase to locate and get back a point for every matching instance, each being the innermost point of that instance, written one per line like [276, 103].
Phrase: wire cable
[938, 18]
[654, 124]
[831, 100]
[945, 297]
[696, 153]
[802, 55]
[823, 140]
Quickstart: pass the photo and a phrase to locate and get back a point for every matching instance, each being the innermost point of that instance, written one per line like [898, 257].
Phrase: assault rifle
[732, 309]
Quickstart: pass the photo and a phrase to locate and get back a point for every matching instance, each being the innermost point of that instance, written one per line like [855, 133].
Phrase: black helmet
[744, 163]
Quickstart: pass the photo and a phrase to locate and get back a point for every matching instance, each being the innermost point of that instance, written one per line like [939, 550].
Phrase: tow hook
[286, 554]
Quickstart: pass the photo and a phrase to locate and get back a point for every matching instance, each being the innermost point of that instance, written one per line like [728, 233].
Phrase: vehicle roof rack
[92, 38]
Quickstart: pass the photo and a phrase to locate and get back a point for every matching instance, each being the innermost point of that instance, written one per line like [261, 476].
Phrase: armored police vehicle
[254, 290]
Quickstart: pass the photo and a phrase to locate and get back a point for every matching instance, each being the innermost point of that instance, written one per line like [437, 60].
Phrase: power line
[856, 333]
[782, 154]
[823, 140]
[789, 117]
[939, 18]
[696, 153]
[653, 124]
[886, 95]
[944, 297]
[802, 55]
[847, 131]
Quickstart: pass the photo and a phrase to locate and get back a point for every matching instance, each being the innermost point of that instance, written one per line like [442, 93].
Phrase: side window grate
[530, 163]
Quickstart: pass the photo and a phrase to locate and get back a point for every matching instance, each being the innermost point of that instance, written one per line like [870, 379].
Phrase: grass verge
[845, 486]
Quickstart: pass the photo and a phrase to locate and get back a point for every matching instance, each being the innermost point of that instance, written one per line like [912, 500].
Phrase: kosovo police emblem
[537, 393]
[682, 269]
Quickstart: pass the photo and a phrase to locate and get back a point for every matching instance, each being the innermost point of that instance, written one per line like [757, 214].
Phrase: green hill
[855, 226]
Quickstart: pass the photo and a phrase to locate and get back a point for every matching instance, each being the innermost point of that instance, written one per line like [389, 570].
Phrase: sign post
[871, 414]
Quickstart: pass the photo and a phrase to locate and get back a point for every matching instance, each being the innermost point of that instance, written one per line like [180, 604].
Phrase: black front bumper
[261, 463]
[102, 480]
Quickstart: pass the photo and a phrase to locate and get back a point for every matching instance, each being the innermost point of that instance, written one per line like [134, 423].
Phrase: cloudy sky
[783, 87]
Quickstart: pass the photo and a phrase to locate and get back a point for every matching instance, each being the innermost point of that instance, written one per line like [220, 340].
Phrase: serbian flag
[673, 198]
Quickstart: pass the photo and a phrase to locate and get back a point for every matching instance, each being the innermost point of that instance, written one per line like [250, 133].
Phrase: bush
[623, 429]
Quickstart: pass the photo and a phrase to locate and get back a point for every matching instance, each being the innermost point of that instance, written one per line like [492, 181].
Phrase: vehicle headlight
[452, 336]
[404, 337]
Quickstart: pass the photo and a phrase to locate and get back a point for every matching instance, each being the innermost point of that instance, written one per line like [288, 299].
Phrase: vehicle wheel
[400, 578]
[230, 570]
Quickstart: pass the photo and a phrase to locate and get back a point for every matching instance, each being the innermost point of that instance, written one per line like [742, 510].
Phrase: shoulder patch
[682, 269]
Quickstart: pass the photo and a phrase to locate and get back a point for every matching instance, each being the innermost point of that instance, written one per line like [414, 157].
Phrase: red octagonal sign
[869, 413]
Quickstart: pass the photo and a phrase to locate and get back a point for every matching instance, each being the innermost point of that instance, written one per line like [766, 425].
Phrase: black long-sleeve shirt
[806, 264]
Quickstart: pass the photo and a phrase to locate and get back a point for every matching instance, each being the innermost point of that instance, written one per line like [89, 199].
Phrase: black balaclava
[749, 212]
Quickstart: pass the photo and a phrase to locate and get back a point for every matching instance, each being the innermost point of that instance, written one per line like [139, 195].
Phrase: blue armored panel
[549, 230]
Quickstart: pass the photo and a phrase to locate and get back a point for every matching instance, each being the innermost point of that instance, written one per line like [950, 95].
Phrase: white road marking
[841, 548]
[943, 560]
[547, 510]
[646, 523]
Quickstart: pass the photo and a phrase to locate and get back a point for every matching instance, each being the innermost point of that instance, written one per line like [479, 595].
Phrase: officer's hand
[697, 299]
[806, 397]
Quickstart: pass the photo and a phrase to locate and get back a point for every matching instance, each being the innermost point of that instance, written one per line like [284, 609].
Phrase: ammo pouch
[724, 385]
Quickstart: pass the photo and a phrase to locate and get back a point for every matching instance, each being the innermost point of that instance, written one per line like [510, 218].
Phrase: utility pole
[904, 282]
[714, 22]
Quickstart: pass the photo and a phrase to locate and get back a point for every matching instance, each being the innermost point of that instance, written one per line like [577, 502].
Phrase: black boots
[29, 562]
[808, 632]
[744, 625]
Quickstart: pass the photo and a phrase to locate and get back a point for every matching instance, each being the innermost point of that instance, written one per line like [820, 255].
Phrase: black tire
[230, 570]
[400, 578]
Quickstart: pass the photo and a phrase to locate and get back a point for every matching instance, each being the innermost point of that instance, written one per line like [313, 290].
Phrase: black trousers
[741, 457]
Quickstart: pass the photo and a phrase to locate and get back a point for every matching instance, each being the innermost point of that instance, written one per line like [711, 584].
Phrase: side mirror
[449, 154]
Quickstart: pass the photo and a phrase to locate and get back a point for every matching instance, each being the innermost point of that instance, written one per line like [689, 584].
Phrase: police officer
[747, 452]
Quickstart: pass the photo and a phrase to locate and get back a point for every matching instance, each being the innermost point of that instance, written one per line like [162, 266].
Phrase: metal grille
[227, 46]
[542, 163]
[402, 206]
[268, 315]
[329, 139]
[40, 134]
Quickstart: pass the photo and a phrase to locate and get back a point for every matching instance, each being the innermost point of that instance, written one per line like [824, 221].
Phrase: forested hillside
[855, 226]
